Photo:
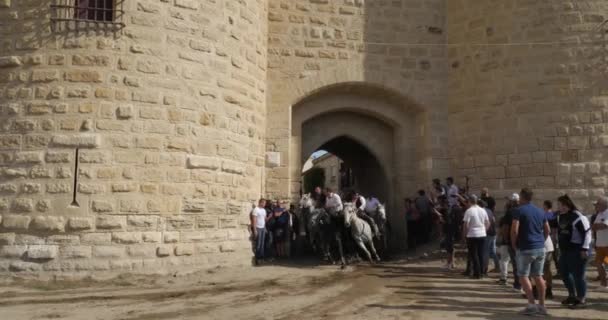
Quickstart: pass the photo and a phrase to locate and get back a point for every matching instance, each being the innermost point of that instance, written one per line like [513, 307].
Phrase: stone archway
[370, 129]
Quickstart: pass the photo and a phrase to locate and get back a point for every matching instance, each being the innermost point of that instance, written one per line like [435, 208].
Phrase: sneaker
[502, 282]
[569, 301]
[541, 311]
[578, 304]
[530, 310]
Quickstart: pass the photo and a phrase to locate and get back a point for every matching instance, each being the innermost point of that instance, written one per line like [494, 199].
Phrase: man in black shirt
[488, 199]
[507, 254]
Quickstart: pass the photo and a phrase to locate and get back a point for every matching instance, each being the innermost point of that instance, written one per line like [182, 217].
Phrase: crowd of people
[529, 240]
[278, 232]
[526, 238]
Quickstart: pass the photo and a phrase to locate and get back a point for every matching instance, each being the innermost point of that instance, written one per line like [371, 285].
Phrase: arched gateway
[373, 130]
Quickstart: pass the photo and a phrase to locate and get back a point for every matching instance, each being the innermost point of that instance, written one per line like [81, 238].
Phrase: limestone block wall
[527, 99]
[398, 46]
[168, 116]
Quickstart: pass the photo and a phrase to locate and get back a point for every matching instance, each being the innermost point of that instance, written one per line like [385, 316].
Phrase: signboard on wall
[273, 159]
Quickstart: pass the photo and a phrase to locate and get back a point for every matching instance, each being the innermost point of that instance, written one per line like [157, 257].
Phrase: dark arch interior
[368, 172]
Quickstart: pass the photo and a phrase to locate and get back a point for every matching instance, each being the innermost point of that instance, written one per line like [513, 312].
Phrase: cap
[514, 197]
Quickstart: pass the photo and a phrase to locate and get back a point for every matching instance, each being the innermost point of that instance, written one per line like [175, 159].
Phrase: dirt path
[397, 290]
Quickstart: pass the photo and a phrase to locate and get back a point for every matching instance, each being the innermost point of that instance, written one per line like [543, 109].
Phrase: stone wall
[396, 47]
[168, 116]
[527, 99]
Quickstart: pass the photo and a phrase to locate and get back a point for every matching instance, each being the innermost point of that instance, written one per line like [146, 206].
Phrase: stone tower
[164, 104]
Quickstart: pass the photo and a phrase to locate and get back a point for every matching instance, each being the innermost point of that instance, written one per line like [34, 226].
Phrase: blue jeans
[530, 263]
[572, 267]
[490, 252]
[259, 243]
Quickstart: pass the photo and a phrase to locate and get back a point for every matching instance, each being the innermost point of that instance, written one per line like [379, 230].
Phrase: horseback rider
[371, 205]
[360, 203]
[318, 197]
[333, 202]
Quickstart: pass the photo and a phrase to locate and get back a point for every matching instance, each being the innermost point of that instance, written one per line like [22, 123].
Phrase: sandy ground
[400, 289]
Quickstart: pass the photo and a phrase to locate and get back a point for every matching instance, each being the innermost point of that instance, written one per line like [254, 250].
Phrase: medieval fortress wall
[174, 114]
[168, 115]
[533, 112]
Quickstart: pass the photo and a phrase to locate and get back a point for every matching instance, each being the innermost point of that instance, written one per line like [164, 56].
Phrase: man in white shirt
[333, 203]
[600, 227]
[361, 213]
[258, 229]
[452, 192]
[360, 202]
[476, 222]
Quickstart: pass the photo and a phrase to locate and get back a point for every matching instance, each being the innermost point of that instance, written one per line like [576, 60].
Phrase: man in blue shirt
[529, 231]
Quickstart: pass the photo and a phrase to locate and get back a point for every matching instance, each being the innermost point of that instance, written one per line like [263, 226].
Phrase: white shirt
[476, 220]
[549, 245]
[602, 235]
[363, 202]
[452, 195]
[260, 217]
[372, 205]
[334, 202]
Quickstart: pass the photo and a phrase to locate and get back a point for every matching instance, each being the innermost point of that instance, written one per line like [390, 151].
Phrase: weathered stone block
[180, 223]
[76, 252]
[142, 251]
[42, 252]
[76, 141]
[16, 222]
[142, 222]
[83, 76]
[63, 239]
[96, 238]
[227, 247]
[102, 206]
[108, 251]
[23, 205]
[232, 167]
[48, 224]
[7, 239]
[126, 237]
[151, 237]
[184, 250]
[164, 251]
[11, 251]
[80, 224]
[170, 237]
[9, 61]
[193, 205]
[110, 222]
[202, 162]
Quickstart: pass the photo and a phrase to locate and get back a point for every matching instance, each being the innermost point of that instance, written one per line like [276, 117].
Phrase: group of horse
[330, 233]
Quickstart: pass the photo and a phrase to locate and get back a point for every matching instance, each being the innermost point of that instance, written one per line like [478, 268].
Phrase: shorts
[530, 263]
[601, 255]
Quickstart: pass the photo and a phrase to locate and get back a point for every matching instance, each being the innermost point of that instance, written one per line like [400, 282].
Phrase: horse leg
[338, 237]
[362, 246]
[373, 249]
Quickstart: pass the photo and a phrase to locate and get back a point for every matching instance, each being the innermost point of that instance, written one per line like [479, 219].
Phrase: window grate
[87, 14]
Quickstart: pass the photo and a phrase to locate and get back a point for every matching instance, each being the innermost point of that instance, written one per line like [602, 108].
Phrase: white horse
[360, 230]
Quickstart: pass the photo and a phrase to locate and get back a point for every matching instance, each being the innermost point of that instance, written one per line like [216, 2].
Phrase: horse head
[349, 212]
[306, 202]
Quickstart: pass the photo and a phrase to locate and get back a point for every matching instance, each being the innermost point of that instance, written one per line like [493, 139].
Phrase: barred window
[97, 10]
[87, 14]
